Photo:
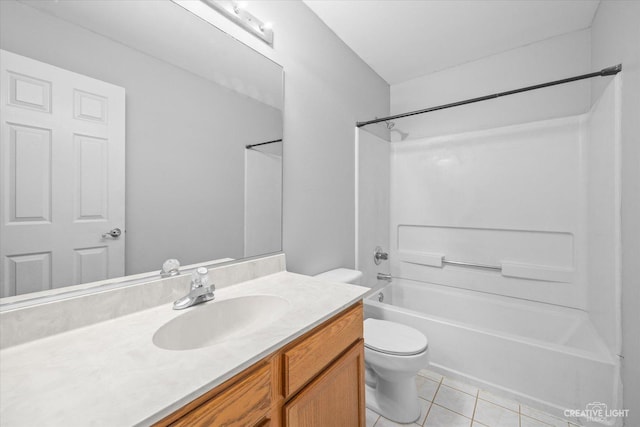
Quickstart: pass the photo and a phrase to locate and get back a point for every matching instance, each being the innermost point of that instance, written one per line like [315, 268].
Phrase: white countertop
[111, 373]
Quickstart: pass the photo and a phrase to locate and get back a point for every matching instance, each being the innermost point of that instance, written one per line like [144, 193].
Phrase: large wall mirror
[125, 127]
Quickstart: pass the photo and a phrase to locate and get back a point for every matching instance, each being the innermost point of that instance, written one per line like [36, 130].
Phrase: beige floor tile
[499, 400]
[574, 422]
[430, 374]
[459, 385]
[455, 400]
[530, 422]
[455, 404]
[424, 409]
[371, 418]
[442, 417]
[543, 416]
[495, 416]
[426, 388]
[383, 422]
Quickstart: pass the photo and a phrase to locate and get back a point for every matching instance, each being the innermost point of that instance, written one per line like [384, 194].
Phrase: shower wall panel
[372, 211]
[512, 197]
[603, 214]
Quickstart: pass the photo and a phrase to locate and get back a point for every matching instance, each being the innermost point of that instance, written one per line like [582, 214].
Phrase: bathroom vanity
[316, 380]
[104, 364]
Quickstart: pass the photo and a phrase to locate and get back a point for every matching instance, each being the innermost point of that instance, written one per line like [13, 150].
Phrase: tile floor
[449, 403]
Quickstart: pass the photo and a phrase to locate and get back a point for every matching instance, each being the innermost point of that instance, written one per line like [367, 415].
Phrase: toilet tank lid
[342, 275]
[393, 338]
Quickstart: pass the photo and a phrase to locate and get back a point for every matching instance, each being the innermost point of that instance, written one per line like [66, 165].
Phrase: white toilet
[393, 354]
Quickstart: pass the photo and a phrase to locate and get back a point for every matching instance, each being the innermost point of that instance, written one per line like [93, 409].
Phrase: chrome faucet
[201, 290]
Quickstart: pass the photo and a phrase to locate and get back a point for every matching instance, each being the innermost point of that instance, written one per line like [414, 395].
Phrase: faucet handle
[200, 278]
[379, 255]
[170, 267]
[204, 279]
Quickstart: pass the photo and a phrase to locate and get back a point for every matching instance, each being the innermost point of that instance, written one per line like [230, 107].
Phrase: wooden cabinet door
[335, 398]
[243, 404]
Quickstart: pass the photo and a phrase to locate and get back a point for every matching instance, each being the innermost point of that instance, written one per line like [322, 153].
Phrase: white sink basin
[215, 321]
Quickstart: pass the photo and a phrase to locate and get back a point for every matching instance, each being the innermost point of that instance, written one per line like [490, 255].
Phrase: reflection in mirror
[124, 134]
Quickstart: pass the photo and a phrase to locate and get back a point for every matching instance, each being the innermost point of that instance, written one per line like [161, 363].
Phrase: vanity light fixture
[236, 11]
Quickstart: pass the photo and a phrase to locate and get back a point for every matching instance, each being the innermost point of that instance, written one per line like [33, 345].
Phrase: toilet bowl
[393, 354]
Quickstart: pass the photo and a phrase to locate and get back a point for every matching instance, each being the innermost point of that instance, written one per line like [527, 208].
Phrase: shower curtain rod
[262, 143]
[609, 71]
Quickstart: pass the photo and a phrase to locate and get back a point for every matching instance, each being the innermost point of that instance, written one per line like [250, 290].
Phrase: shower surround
[539, 203]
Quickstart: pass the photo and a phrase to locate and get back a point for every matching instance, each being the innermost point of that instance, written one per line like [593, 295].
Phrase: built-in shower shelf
[537, 272]
[505, 268]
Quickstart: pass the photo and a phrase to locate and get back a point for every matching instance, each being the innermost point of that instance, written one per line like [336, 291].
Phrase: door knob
[115, 233]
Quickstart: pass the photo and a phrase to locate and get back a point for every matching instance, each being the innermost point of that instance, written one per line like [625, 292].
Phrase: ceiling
[405, 39]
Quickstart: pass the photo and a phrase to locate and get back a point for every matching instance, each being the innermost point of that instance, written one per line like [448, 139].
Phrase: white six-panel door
[62, 157]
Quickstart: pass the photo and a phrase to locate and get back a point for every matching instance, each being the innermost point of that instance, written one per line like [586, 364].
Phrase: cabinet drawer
[304, 360]
[242, 404]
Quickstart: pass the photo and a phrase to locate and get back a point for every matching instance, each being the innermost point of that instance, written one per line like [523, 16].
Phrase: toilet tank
[343, 275]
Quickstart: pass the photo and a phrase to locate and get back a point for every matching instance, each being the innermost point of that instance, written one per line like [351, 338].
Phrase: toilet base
[403, 407]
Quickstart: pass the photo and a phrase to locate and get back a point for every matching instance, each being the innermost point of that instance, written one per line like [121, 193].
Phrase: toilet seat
[393, 338]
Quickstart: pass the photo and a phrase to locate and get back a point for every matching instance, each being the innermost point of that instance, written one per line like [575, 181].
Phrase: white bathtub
[545, 356]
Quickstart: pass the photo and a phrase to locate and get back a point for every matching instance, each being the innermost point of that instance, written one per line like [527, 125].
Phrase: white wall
[327, 89]
[552, 59]
[616, 39]
[175, 206]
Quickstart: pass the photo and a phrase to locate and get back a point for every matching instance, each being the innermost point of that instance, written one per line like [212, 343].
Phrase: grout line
[475, 405]
[520, 415]
[425, 418]
[462, 391]
[426, 411]
[433, 401]
[427, 414]
[497, 404]
[451, 410]
[429, 378]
